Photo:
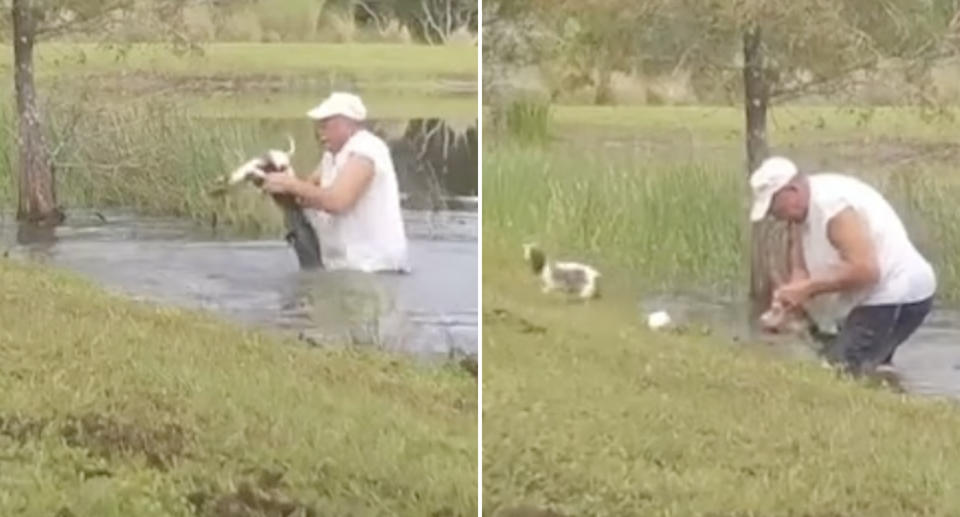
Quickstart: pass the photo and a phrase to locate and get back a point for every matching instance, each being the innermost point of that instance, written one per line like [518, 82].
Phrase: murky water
[928, 363]
[431, 311]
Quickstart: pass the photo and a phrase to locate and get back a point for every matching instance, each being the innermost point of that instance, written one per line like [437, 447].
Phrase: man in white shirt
[352, 199]
[847, 245]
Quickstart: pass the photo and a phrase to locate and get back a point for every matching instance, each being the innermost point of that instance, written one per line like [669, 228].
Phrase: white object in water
[659, 320]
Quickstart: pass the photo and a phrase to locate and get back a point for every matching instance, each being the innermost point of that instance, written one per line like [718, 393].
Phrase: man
[352, 198]
[846, 242]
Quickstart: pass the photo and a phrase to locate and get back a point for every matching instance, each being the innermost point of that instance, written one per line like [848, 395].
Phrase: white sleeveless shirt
[905, 275]
[369, 237]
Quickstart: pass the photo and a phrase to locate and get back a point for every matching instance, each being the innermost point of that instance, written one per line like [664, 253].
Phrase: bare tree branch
[378, 20]
[430, 23]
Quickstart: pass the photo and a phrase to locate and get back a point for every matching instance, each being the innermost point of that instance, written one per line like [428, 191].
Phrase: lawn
[586, 412]
[116, 408]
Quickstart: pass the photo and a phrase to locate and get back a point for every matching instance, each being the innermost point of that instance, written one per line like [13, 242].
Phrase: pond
[928, 363]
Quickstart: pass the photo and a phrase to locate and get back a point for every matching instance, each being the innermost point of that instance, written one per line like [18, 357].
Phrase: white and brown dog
[814, 322]
[300, 232]
[270, 162]
[568, 277]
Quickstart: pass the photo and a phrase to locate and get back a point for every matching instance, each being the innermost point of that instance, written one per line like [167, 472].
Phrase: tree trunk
[37, 200]
[604, 92]
[755, 90]
[766, 235]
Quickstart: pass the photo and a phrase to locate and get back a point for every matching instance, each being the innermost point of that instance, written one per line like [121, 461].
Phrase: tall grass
[291, 19]
[926, 197]
[154, 158]
[524, 120]
[669, 224]
[674, 224]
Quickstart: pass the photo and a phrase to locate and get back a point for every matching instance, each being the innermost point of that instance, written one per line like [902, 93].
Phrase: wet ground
[928, 363]
[431, 311]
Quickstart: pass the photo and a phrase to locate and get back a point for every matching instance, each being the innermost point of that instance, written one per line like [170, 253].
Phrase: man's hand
[794, 294]
[280, 183]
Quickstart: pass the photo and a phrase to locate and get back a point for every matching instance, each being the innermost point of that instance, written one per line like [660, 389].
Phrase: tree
[785, 48]
[30, 20]
[601, 37]
[430, 21]
[513, 37]
[37, 195]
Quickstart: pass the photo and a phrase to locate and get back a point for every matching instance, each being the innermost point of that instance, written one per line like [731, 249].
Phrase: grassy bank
[294, 106]
[116, 408]
[589, 414]
[787, 122]
[819, 136]
[369, 63]
[236, 80]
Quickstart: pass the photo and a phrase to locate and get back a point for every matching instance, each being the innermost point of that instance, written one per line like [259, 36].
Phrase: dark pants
[871, 334]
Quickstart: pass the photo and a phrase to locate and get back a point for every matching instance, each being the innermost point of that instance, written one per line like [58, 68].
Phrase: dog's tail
[293, 145]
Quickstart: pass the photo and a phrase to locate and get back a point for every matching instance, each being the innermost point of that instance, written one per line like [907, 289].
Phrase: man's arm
[339, 197]
[859, 268]
[795, 263]
[316, 177]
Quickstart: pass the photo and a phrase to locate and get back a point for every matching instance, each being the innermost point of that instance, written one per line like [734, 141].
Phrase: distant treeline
[414, 21]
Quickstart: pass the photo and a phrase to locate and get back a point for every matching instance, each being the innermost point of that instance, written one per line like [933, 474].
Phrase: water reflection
[435, 162]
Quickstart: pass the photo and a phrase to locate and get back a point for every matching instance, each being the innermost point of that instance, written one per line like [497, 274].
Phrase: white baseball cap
[339, 103]
[772, 175]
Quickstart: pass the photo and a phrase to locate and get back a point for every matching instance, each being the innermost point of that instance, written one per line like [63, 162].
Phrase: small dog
[801, 323]
[778, 319]
[270, 162]
[300, 232]
[567, 277]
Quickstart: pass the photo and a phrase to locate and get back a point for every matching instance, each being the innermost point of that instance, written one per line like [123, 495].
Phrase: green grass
[667, 223]
[114, 408]
[295, 106]
[151, 131]
[791, 123]
[588, 413]
[525, 120]
[158, 160]
[257, 79]
[368, 61]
